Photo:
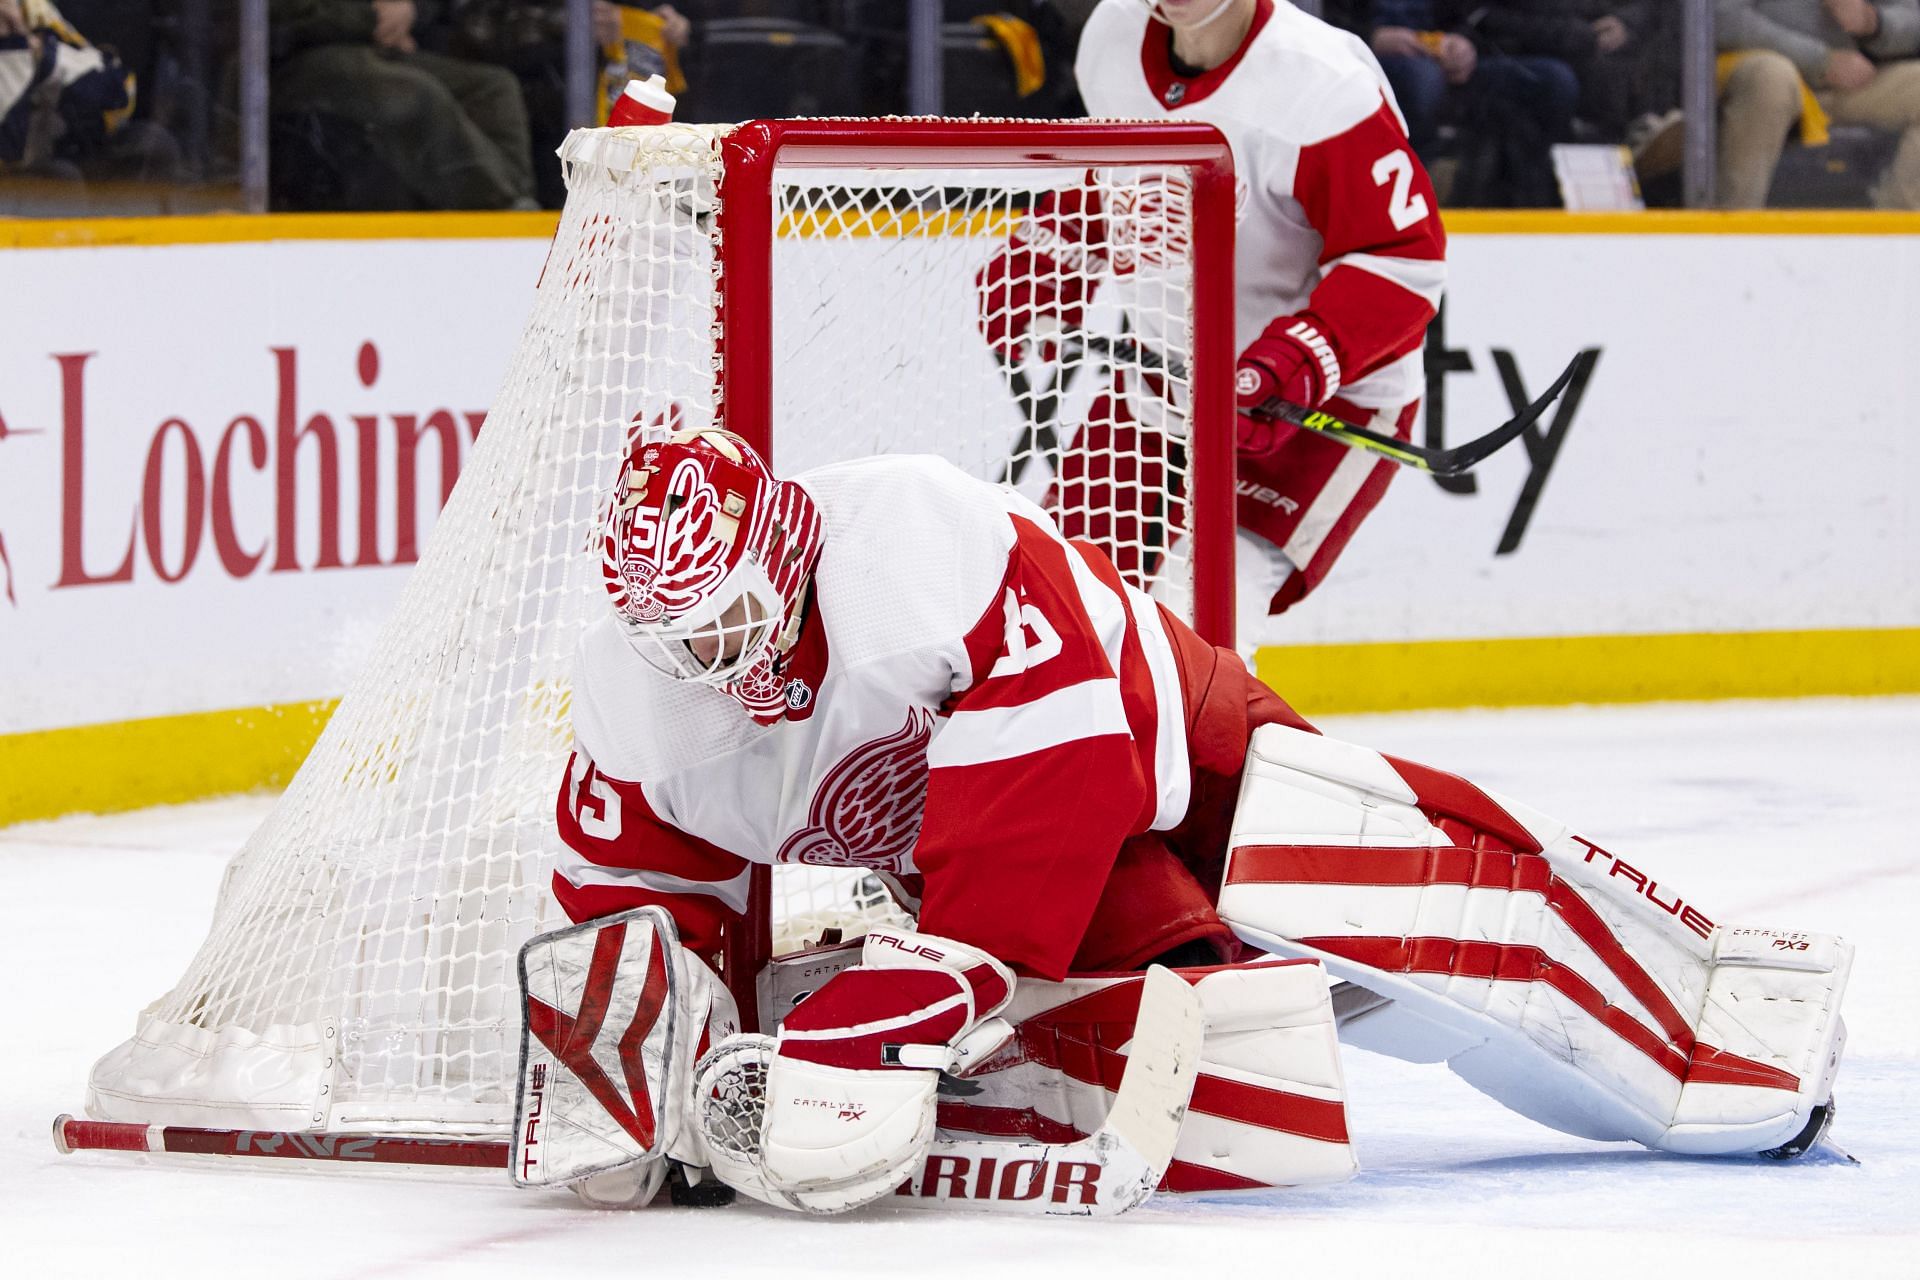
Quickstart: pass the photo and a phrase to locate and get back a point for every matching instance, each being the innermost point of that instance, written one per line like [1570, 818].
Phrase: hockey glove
[850, 1086]
[1292, 360]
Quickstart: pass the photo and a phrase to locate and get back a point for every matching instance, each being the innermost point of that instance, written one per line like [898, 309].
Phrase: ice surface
[1792, 814]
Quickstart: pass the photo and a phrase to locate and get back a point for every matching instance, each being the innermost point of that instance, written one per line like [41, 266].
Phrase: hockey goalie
[889, 665]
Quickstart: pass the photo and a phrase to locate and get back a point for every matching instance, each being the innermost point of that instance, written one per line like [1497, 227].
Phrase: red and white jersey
[1336, 217]
[972, 699]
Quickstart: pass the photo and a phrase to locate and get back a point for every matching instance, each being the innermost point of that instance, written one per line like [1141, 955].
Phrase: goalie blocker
[1563, 981]
[617, 1011]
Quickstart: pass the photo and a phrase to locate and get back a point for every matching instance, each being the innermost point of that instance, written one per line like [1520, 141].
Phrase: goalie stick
[1106, 1173]
[71, 1135]
[1439, 462]
[1111, 1170]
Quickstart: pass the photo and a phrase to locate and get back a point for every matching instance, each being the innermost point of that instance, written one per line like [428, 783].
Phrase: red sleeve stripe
[1357, 199]
[1423, 277]
[1049, 631]
[989, 635]
[1149, 689]
[1088, 710]
[1372, 319]
[1172, 768]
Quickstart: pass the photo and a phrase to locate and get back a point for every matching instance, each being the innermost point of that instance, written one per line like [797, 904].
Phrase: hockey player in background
[887, 664]
[1339, 262]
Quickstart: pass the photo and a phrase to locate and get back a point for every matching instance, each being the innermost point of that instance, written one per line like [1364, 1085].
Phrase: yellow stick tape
[1557, 670]
[105, 768]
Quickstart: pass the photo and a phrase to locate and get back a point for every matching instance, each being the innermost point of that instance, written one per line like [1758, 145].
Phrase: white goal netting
[359, 970]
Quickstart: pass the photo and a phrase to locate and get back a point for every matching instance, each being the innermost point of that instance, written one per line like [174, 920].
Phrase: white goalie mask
[706, 556]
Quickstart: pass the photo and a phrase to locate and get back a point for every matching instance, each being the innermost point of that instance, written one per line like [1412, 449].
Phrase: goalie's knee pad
[1562, 981]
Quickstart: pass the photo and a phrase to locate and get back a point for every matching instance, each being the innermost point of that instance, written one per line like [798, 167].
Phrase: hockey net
[811, 285]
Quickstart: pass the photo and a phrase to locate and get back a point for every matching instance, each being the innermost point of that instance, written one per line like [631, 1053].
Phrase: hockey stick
[1439, 462]
[1106, 1173]
[70, 1135]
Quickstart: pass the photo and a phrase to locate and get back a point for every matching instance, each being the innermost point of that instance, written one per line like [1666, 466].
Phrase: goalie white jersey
[972, 699]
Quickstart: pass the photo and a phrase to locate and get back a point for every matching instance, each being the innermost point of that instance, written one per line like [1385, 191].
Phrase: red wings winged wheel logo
[866, 812]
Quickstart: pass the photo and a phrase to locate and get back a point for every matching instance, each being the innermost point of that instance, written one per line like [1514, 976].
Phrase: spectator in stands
[1782, 61]
[1510, 108]
[1633, 75]
[65, 104]
[528, 37]
[453, 131]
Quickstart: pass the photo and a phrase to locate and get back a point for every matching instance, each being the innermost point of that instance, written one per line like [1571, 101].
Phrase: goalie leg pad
[616, 1012]
[1268, 1106]
[1561, 980]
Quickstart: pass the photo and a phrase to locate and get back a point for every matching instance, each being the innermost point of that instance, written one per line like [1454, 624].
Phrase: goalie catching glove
[850, 1084]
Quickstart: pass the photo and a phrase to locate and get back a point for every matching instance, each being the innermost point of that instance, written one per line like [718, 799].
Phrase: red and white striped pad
[1564, 981]
[1268, 1107]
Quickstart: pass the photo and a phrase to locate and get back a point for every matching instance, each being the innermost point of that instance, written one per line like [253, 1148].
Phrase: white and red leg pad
[1562, 981]
[1268, 1107]
[617, 1011]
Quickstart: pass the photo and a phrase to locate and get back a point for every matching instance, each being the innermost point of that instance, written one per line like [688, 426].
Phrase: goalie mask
[706, 556]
